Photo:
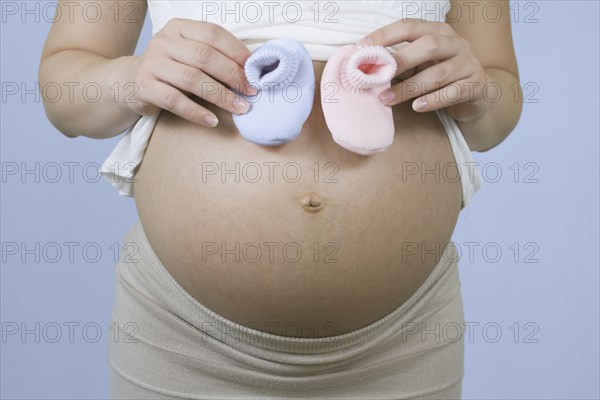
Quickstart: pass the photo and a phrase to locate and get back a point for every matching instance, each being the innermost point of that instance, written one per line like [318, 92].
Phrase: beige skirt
[167, 345]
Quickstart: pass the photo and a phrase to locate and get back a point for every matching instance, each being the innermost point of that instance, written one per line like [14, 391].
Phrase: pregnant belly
[307, 234]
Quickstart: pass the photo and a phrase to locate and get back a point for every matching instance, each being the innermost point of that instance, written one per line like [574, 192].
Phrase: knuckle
[411, 25]
[401, 59]
[242, 50]
[169, 100]
[157, 35]
[211, 32]
[189, 77]
[445, 28]
[173, 24]
[378, 36]
[192, 114]
[156, 43]
[460, 90]
[434, 43]
[236, 76]
[202, 55]
[440, 73]
[144, 84]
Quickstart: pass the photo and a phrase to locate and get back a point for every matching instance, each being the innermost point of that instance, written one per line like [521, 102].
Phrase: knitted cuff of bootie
[367, 68]
[271, 66]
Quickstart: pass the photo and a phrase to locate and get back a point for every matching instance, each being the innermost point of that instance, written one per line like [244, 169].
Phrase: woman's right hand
[191, 56]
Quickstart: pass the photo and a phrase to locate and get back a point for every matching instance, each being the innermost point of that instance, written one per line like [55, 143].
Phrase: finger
[404, 30]
[433, 78]
[171, 99]
[215, 36]
[211, 61]
[195, 81]
[413, 71]
[424, 66]
[431, 47]
[462, 91]
[403, 76]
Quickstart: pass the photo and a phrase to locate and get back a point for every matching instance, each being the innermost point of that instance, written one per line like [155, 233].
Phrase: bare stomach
[307, 234]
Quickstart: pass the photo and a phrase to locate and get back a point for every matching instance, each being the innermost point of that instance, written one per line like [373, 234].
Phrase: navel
[312, 202]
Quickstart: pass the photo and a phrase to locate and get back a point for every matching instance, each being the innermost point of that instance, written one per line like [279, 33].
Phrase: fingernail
[419, 104]
[364, 42]
[251, 90]
[211, 120]
[387, 97]
[242, 106]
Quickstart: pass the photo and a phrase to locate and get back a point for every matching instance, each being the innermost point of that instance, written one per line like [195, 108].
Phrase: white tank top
[321, 25]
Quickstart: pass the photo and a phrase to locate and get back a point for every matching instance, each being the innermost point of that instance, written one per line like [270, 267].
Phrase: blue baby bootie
[282, 71]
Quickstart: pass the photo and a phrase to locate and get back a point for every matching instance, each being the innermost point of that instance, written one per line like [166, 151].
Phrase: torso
[352, 217]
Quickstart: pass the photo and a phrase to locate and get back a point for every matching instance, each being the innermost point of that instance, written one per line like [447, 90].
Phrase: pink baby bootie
[351, 82]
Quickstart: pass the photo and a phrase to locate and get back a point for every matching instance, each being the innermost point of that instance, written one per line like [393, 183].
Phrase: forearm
[491, 128]
[86, 94]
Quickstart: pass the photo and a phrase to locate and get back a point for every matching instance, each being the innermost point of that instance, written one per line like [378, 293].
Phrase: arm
[78, 52]
[184, 57]
[492, 43]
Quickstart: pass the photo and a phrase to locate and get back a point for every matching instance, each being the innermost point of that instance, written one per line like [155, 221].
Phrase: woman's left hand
[437, 68]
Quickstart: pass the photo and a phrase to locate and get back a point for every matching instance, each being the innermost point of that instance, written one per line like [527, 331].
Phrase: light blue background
[558, 133]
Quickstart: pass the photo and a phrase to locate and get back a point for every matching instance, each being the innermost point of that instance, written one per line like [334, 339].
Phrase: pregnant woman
[303, 270]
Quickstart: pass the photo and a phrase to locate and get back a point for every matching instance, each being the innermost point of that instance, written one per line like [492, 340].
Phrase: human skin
[364, 220]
